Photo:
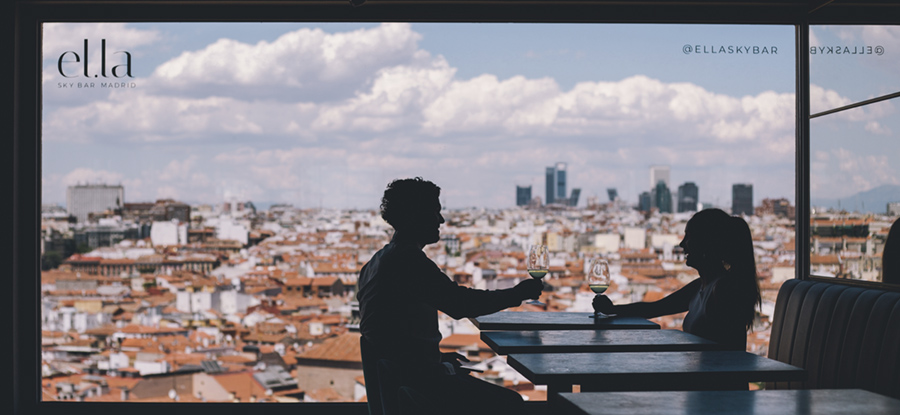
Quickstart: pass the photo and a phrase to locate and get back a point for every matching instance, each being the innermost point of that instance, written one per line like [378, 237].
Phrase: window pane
[211, 190]
[855, 186]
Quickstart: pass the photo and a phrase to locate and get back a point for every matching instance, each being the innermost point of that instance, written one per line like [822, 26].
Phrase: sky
[325, 115]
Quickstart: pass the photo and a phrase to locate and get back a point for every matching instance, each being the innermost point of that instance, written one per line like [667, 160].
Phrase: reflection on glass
[855, 191]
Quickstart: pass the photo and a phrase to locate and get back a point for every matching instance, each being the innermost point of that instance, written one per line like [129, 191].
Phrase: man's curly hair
[405, 198]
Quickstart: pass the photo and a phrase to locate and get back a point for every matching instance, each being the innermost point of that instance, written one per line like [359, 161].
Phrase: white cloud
[304, 65]
[875, 127]
[487, 103]
[142, 117]
[62, 37]
[395, 99]
[320, 114]
[842, 172]
[178, 169]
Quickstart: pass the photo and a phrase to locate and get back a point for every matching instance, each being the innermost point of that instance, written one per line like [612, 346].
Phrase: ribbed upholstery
[845, 337]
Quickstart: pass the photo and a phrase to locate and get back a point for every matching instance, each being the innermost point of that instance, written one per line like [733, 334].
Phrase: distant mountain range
[870, 201]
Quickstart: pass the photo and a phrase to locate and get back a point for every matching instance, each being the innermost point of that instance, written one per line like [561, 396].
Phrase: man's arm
[459, 302]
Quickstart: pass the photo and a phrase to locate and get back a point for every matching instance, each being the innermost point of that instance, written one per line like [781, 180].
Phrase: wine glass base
[601, 315]
[536, 303]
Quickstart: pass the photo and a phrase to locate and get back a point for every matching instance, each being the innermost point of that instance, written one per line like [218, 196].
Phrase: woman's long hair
[727, 239]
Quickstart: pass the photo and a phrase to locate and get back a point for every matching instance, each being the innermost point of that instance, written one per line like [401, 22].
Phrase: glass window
[211, 190]
[855, 185]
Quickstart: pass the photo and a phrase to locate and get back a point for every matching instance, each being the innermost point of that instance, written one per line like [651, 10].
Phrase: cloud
[178, 169]
[333, 117]
[637, 105]
[396, 99]
[304, 65]
[140, 117]
[841, 172]
[875, 127]
[886, 36]
[61, 37]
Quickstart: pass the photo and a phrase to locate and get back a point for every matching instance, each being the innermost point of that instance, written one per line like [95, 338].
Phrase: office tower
[561, 180]
[662, 197]
[523, 195]
[644, 204]
[613, 194]
[573, 200]
[658, 173]
[551, 185]
[688, 196]
[556, 183]
[84, 199]
[742, 199]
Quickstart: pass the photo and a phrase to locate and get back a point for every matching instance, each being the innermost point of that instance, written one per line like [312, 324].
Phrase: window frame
[22, 86]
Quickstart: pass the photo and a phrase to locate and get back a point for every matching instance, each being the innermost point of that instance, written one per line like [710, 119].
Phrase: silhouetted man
[400, 293]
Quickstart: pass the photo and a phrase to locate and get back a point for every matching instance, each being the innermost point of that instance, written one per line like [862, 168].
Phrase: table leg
[553, 391]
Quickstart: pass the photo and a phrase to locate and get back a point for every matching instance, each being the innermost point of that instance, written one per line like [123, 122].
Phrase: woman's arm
[674, 303]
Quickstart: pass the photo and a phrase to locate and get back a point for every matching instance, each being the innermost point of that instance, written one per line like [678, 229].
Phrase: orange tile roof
[242, 384]
[236, 358]
[324, 281]
[462, 340]
[824, 259]
[325, 395]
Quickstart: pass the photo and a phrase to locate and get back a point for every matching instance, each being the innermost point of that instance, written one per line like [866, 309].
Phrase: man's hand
[529, 289]
[454, 359]
[603, 304]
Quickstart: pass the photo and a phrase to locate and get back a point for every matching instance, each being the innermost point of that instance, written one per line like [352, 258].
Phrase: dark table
[765, 402]
[651, 371]
[574, 341]
[548, 320]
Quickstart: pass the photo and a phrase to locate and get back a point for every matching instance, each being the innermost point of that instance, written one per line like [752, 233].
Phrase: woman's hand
[603, 304]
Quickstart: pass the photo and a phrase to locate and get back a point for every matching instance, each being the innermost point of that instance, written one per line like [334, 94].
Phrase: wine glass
[598, 279]
[538, 265]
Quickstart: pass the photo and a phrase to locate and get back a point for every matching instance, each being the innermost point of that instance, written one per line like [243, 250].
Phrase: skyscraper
[662, 197]
[613, 194]
[644, 203]
[658, 173]
[84, 199]
[688, 196]
[561, 180]
[742, 199]
[573, 200]
[551, 185]
[523, 195]
[556, 183]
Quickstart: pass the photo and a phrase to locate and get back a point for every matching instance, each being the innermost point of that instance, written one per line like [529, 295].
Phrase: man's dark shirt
[400, 292]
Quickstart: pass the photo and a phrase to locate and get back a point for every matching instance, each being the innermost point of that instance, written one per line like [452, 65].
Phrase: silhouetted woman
[890, 269]
[721, 303]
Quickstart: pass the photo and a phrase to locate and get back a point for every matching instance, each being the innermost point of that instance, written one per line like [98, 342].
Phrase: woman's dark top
[713, 311]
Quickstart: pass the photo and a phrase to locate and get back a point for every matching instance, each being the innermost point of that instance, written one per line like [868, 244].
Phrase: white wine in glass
[598, 279]
[538, 263]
